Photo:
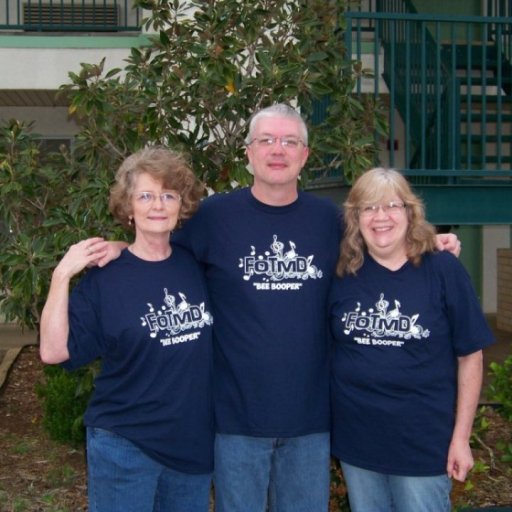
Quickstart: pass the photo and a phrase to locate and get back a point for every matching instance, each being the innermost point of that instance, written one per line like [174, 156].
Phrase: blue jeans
[378, 492]
[121, 478]
[283, 474]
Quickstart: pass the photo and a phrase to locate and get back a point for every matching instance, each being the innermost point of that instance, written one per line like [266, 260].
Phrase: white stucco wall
[48, 68]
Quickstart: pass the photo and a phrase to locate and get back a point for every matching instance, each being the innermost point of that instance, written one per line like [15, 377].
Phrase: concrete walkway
[12, 340]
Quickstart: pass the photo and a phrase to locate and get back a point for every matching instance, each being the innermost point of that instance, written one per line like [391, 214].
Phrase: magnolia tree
[207, 66]
[47, 202]
[211, 64]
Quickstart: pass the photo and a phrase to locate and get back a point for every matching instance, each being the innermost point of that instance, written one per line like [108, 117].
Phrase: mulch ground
[41, 475]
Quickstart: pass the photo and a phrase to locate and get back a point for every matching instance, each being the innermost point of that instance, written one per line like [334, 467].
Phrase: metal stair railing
[501, 9]
[414, 69]
[432, 68]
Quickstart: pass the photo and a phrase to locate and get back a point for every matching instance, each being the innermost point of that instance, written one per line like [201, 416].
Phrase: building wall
[471, 255]
[43, 63]
[50, 122]
[48, 68]
[504, 313]
[494, 239]
[480, 246]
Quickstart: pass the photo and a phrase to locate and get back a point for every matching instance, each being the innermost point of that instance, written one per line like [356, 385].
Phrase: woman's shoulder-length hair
[169, 167]
[372, 187]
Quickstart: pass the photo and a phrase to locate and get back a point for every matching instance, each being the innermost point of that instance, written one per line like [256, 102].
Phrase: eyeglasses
[270, 140]
[167, 198]
[391, 208]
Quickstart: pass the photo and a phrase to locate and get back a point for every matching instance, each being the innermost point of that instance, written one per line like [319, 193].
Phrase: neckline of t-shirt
[403, 268]
[128, 254]
[256, 203]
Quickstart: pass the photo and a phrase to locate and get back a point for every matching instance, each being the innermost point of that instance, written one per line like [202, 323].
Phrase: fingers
[80, 255]
[83, 253]
[109, 251]
[458, 249]
[459, 474]
[103, 260]
[459, 470]
[93, 250]
[94, 245]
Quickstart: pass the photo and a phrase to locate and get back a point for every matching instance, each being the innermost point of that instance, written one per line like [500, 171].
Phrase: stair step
[477, 117]
[488, 139]
[495, 159]
[476, 52]
[489, 81]
[469, 181]
[506, 100]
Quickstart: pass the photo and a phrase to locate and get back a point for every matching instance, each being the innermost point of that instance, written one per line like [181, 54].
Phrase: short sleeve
[470, 331]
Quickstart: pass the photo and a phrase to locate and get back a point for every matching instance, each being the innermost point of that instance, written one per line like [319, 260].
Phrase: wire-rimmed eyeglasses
[390, 208]
[166, 198]
[269, 140]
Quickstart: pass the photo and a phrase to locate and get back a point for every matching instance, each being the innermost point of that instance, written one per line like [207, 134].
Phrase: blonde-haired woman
[407, 365]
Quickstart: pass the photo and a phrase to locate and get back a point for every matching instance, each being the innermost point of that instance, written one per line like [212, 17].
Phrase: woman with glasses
[147, 318]
[407, 364]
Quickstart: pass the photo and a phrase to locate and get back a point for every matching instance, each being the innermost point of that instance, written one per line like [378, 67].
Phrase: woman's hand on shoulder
[83, 254]
[108, 251]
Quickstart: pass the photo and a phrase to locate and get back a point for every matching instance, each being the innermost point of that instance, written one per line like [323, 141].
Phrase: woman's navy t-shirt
[394, 373]
[150, 324]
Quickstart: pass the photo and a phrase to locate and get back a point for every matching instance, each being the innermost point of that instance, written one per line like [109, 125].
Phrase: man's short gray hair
[277, 110]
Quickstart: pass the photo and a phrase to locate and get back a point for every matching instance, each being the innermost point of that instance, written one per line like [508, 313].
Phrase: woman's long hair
[371, 188]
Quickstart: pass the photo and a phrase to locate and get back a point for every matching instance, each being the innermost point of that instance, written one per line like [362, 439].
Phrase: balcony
[42, 41]
[69, 16]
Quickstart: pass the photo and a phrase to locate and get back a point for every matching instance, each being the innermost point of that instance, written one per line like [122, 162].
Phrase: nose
[277, 146]
[158, 202]
[381, 212]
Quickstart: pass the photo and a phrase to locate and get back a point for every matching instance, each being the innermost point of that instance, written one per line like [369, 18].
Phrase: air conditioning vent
[66, 16]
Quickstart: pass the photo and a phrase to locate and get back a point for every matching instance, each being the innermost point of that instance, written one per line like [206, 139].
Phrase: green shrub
[65, 396]
[500, 389]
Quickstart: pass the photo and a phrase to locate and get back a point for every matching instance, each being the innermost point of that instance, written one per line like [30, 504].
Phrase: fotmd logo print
[175, 317]
[279, 262]
[383, 321]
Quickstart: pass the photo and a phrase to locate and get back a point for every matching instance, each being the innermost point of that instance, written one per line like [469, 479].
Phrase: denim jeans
[121, 478]
[283, 474]
[378, 492]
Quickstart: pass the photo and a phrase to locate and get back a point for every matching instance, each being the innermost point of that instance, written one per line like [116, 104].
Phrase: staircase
[484, 100]
[448, 81]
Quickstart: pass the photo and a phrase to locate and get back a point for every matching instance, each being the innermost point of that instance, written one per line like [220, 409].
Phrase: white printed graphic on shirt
[175, 317]
[381, 322]
[276, 264]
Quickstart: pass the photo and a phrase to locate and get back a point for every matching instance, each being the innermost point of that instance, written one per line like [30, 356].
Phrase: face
[384, 227]
[276, 165]
[155, 208]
